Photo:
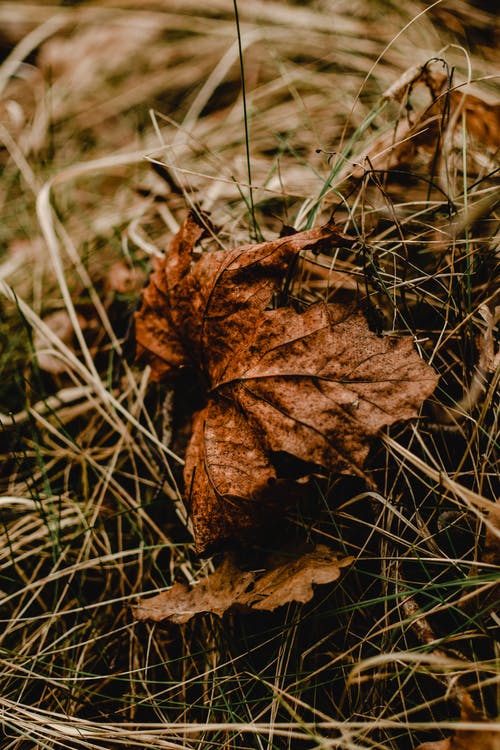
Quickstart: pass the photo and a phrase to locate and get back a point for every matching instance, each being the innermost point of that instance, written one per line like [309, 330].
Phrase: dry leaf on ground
[229, 587]
[491, 553]
[117, 283]
[489, 600]
[61, 326]
[316, 385]
[485, 598]
[465, 739]
[121, 278]
[432, 132]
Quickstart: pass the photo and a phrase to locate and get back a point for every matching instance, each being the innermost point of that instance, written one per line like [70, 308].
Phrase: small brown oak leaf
[291, 579]
[316, 385]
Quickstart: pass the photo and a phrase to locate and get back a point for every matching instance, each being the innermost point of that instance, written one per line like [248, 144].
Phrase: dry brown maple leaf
[315, 385]
[229, 587]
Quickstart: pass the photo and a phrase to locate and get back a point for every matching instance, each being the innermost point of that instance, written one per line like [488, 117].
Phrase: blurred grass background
[114, 118]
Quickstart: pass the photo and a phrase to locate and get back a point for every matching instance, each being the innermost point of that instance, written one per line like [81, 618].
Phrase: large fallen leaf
[316, 385]
[468, 739]
[229, 587]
